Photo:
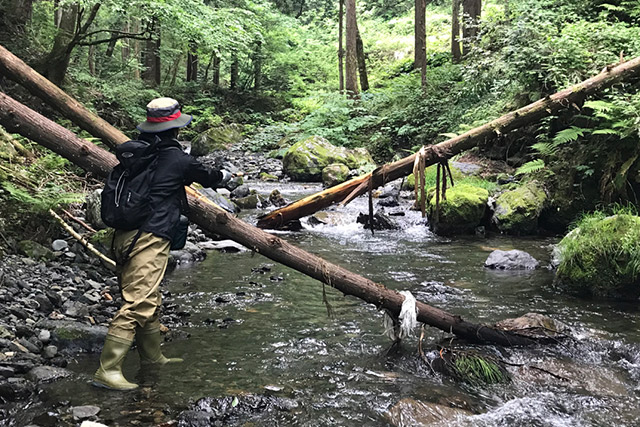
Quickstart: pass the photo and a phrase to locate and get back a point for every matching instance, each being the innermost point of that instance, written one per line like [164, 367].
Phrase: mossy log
[21, 119]
[570, 97]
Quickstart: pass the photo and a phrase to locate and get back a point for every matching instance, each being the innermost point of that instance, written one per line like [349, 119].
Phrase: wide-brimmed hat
[164, 114]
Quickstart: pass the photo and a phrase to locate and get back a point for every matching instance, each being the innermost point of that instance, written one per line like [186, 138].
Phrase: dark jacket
[175, 169]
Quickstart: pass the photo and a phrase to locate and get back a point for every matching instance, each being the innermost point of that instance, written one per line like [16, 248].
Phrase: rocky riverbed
[56, 301]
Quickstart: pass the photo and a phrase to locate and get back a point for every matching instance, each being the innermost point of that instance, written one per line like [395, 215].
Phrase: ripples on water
[267, 332]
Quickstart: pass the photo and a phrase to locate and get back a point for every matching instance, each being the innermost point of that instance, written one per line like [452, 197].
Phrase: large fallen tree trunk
[20, 119]
[345, 192]
[15, 69]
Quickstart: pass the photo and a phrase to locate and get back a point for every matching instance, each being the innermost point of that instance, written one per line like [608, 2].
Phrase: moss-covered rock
[102, 240]
[334, 174]
[34, 250]
[264, 176]
[517, 211]
[217, 138]
[306, 159]
[601, 257]
[461, 212]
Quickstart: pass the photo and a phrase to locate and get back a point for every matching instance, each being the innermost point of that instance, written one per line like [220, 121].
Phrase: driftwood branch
[82, 240]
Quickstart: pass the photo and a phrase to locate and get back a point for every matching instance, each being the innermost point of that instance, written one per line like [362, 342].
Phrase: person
[142, 271]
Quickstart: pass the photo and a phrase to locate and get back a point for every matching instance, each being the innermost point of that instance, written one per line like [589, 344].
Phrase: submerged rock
[240, 410]
[380, 222]
[534, 325]
[410, 412]
[45, 374]
[510, 260]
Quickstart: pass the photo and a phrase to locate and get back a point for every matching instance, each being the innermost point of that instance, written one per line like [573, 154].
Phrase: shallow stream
[257, 327]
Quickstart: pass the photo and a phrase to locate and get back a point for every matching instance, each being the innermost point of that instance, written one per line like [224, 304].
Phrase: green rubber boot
[148, 342]
[109, 374]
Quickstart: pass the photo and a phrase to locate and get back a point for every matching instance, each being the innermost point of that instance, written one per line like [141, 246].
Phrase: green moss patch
[518, 210]
[461, 212]
[601, 257]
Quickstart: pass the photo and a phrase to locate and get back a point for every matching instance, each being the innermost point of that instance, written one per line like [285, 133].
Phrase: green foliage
[531, 167]
[601, 255]
[46, 198]
[477, 369]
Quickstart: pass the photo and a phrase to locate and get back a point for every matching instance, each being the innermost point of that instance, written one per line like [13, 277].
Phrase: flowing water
[260, 328]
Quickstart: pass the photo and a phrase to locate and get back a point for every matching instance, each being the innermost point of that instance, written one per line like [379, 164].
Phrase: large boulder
[601, 257]
[335, 174]
[306, 159]
[217, 138]
[517, 211]
[461, 212]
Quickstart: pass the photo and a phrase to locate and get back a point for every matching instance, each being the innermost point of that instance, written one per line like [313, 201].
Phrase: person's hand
[226, 177]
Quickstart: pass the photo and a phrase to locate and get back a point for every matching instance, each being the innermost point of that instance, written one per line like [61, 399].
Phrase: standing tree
[192, 62]
[362, 65]
[351, 71]
[471, 10]
[420, 34]
[257, 67]
[456, 53]
[340, 48]
[151, 57]
[235, 69]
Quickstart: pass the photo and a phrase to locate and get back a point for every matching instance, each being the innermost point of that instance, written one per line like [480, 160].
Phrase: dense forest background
[389, 76]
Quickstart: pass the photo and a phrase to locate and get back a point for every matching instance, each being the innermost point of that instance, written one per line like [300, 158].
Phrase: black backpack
[125, 197]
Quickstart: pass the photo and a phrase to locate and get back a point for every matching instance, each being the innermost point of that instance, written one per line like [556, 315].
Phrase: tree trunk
[57, 61]
[456, 53]
[235, 65]
[19, 118]
[531, 113]
[151, 58]
[471, 10]
[13, 68]
[420, 35]
[125, 50]
[15, 14]
[192, 63]
[351, 71]
[216, 70]
[111, 46]
[91, 60]
[340, 47]
[362, 65]
[257, 68]
[136, 50]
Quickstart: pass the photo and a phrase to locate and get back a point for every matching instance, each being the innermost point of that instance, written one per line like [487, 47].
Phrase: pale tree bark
[572, 97]
[19, 118]
[351, 66]
[456, 53]
[340, 45]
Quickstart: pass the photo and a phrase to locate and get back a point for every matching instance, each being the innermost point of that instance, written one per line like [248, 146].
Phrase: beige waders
[139, 279]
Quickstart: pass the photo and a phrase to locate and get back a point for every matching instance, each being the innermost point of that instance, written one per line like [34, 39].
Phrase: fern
[530, 167]
[599, 105]
[569, 134]
[46, 198]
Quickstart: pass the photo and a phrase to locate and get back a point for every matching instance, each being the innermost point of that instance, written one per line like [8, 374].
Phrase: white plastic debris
[407, 321]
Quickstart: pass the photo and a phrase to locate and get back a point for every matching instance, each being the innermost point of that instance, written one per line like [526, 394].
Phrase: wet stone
[84, 412]
[59, 245]
[7, 371]
[510, 260]
[44, 336]
[45, 374]
[50, 351]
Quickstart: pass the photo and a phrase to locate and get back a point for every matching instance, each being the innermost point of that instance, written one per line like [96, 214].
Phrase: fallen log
[15, 69]
[570, 97]
[20, 119]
